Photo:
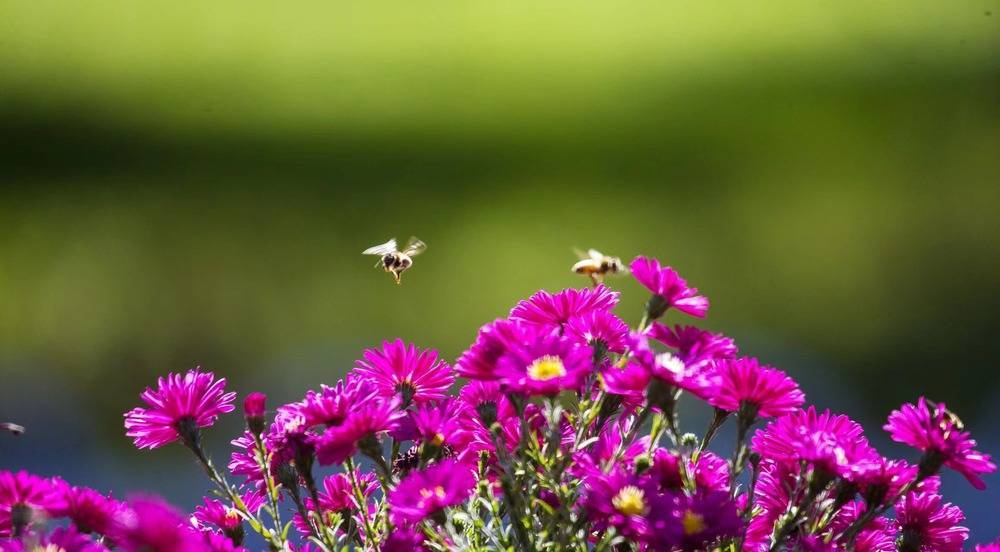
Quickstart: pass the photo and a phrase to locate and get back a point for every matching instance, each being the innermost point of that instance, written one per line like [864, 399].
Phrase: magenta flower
[426, 493]
[364, 424]
[195, 398]
[696, 347]
[62, 539]
[479, 362]
[879, 535]
[928, 525]
[931, 428]
[441, 424]
[214, 513]
[709, 472]
[544, 364]
[831, 443]
[149, 523]
[89, 510]
[880, 479]
[669, 287]
[600, 329]
[486, 399]
[555, 311]
[743, 385]
[772, 496]
[336, 494]
[695, 522]
[609, 441]
[991, 547]
[24, 498]
[404, 540]
[619, 499]
[407, 372]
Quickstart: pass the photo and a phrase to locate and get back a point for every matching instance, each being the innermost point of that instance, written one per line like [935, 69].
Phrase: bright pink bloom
[710, 472]
[696, 347]
[693, 522]
[991, 547]
[554, 311]
[599, 329]
[619, 499]
[665, 283]
[62, 539]
[404, 539]
[367, 420]
[479, 362]
[149, 523]
[405, 371]
[832, 443]
[196, 397]
[544, 364]
[215, 514]
[426, 493]
[89, 510]
[744, 385]
[25, 494]
[932, 429]
[929, 525]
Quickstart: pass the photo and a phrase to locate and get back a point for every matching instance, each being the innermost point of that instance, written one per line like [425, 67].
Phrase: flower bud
[253, 409]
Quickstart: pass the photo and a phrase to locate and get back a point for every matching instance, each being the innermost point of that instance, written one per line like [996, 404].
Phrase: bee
[596, 265]
[394, 261]
[14, 429]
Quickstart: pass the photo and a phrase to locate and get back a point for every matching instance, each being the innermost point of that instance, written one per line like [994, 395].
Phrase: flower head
[89, 510]
[669, 287]
[214, 514]
[928, 525]
[486, 399]
[61, 539]
[544, 364]
[553, 311]
[991, 547]
[696, 347]
[829, 442]
[619, 499]
[405, 371]
[931, 428]
[709, 472]
[743, 385]
[364, 424]
[149, 523]
[24, 498]
[694, 522]
[425, 493]
[195, 398]
[600, 329]
[479, 362]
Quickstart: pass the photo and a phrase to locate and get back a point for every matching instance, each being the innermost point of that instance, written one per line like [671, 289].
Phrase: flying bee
[394, 261]
[597, 265]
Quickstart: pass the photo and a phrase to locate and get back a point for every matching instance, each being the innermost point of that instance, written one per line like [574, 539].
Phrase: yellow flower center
[693, 523]
[435, 492]
[546, 368]
[630, 501]
[437, 439]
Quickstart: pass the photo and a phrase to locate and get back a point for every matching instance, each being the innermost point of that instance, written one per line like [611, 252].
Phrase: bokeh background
[192, 183]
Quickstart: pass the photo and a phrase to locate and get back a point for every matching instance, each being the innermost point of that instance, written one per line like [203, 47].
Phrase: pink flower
[150, 524]
[25, 497]
[744, 385]
[991, 547]
[709, 472]
[479, 362]
[486, 399]
[931, 428]
[831, 443]
[426, 493]
[365, 423]
[671, 289]
[544, 364]
[196, 398]
[554, 311]
[89, 510]
[928, 525]
[62, 539]
[693, 522]
[619, 499]
[407, 372]
[214, 513]
[599, 329]
[696, 347]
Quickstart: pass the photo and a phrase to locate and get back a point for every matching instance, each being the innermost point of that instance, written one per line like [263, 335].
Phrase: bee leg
[595, 279]
[396, 275]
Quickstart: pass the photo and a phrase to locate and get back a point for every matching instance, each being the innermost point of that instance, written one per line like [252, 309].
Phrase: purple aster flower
[213, 514]
[403, 540]
[426, 493]
[24, 498]
[771, 497]
[362, 427]
[405, 371]
[62, 539]
[544, 364]
[619, 499]
[830, 443]
[628, 383]
[880, 479]
[669, 289]
[696, 522]
[931, 428]
[554, 311]
[217, 542]
[879, 535]
[441, 424]
[195, 398]
[486, 399]
[709, 472]
[696, 347]
[601, 453]
[254, 408]
[479, 362]
[600, 329]
[743, 385]
[927, 525]
[89, 510]
[150, 524]
[337, 496]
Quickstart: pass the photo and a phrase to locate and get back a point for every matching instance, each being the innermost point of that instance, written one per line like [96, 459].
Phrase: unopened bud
[254, 406]
[642, 464]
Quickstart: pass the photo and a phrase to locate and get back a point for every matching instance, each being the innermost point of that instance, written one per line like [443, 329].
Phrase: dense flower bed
[565, 436]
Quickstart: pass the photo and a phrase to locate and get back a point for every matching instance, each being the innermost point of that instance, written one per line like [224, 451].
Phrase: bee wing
[595, 254]
[579, 253]
[387, 247]
[414, 246]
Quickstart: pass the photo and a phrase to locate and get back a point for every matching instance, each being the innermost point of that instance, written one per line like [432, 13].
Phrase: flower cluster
[563, 435]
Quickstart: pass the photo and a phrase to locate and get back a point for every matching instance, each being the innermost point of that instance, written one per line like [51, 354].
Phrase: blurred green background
[191, 183]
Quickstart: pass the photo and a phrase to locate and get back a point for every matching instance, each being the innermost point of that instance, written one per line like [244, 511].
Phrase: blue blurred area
[188, 183]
